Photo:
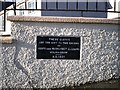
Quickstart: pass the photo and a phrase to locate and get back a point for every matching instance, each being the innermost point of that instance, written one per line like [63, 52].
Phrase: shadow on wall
[101, 6]
[119, 35]
[19, 45]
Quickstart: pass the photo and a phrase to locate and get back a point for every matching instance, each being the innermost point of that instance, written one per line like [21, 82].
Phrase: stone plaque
[55, 47]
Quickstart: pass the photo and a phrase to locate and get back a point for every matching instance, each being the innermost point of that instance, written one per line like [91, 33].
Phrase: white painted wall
[114, 15]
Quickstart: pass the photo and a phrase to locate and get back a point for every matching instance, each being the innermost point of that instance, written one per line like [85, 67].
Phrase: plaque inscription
[55, 47]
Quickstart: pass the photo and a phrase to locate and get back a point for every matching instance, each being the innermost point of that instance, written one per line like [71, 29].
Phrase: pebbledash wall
[99, 52]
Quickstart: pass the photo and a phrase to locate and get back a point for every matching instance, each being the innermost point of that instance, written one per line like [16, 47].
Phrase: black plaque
[55, 47]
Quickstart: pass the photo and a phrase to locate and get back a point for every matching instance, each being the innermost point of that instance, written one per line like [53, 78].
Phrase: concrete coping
[63, 19]
[6, 39]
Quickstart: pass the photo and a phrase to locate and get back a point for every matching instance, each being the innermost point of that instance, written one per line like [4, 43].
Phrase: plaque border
[80, 51]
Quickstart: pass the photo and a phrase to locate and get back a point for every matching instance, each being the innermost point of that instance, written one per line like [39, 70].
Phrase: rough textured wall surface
[99, 56]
